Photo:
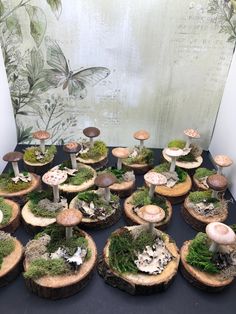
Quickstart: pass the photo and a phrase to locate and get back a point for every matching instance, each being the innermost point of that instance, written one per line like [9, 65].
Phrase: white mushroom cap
[220, 233]
[54, 177]
[1, 216]
[174, 152]
[155, 178]
[151, 213]
[223, 160]
[192, 133]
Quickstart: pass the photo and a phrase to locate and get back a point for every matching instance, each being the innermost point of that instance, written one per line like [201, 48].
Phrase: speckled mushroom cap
[72, 147]
[91, 132]
[151, 213]
[220, 233]
[223, 160]
[54, 177]
[41, 135]
[174, 152]
[217, 182]
[141, 135]
[13, 156]
[69, 217]
[120, 152]
[192, 133]
[155, 178]
[104, 180]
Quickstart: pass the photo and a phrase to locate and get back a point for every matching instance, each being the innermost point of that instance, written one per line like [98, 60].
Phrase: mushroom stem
[69, 232]
[107, 194]
[213, 247]
[151, 190]
[91, 142]
[219, 170]
[151, 227]
[42, 146]
[188, 142]
[56, 195]
[141, 144]
[15, 168]
[214, 194]
[73, 161]
[119, 163]
[172, 165]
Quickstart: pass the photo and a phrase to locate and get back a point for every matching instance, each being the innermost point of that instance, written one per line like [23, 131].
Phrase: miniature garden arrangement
[9, 215]
[209, 260]
[100, 208]
[202, 207]
[145, 201]
[93, 153]
[60, 260]
[139, 260]
[11, 253]
[140, 158]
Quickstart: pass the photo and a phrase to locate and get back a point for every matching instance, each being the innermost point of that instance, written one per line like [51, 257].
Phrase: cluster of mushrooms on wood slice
[208, 261]
[151, 267]
[9, 215]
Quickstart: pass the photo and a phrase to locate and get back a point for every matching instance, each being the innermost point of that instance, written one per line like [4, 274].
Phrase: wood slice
[14, 221]
[90, 223]
[140, 284]
[38, 168]
[198, 185]
[184, 164]
[137, 168]
[34, 224]
[12, 264]
[123, 189]
[198, 278]
[199, 222]
[133, 219]
[95, 164]
[57, 287]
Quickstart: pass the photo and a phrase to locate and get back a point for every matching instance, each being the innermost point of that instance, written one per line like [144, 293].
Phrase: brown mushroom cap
[69, 217]
[151, 213]
[13, 156]
[155, 178]
[104, 180]
[217, 182]
[72, 147]
[120, 152]
[192, 133]
[220, 233]
[41, 135]
[223, 160]
[141, 135]
[91, 132]
[54, 177]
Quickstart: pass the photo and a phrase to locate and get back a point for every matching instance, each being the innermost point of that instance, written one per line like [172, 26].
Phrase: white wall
[7, 122]
[224, 136]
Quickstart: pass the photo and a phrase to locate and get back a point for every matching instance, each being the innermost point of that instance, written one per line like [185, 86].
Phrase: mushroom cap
[155, 178]
[141, 135]
[72, 147]
[174, 152]
[220, 233]
[54, 177]
[151, 213]
[41, 135]
[192, 133]
[104, 180]
[91, 132]
[69, 217]
[120, 152]
[13, 156]
[223, 160]
[217, 182]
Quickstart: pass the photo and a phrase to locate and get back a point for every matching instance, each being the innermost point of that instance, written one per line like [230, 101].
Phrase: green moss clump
[35, 197]
[84, 174]
[9, 186]
[233, 227]
[202, 196]
[187, 158]
[118, 173]
[142, 198]
[6, 247]
[65, 164]
[199, 255]
[165, 167]
[6, 210]
[30, 154]
[98, 150]
[203, 172]
[177, 144]
[145, 156]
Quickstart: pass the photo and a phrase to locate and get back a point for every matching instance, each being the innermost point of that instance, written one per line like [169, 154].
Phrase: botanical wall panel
[119, 65]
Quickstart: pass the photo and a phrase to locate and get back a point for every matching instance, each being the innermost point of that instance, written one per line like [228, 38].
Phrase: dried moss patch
[34, 198]
[6, 210]
[145, 156]
[98, 150]
[31, 154]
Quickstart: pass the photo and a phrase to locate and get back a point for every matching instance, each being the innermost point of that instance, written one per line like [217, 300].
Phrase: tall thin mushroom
[91, 132]
[105, 180]
[217, 183]
[54, 178]
[173, 153]
[222, 161]
[120, 153]
[151, 214]
[72, 149]
[219, 234]
[154, 179]
[191, 134]
[69, 218]
[14, 157]
[141, 136]
[42, 136]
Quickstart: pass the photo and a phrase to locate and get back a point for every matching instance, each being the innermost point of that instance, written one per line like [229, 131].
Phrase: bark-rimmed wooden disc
[11, 265]
[90, 223]
[137, 168]
[199, 222]
[123, 189]
[58, 287]
[32, 223]
[140, 284]
[14, 221]
[185, 164]
[198, 278]
[38, 168]
[133, 219]
[95, 164]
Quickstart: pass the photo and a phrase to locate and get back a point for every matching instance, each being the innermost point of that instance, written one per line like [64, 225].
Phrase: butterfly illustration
[60, 73]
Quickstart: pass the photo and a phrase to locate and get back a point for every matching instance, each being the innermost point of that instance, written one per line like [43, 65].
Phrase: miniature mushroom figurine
[151, 214]
[190, 133]
[105, 180]
[91, 132]
[219, 234]
[154, 179]
[120, 153]
[14, 157]
[72, 148]
[222, 161]
[41, 136]
[54, 178]
[217, 183]
[69, 218]
[142, 136]
[173, 153]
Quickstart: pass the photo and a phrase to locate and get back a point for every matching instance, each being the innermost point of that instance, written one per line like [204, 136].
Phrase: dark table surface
[98, 297]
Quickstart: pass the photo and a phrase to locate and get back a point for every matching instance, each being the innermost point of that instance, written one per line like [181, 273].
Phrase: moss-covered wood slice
[120, 267]
[200, 178]
[140, 160]
[10, 215]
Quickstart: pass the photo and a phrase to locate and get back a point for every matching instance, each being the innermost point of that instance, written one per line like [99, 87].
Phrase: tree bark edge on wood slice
[38, 168]
[123, 189]
[14, 221]
[95, 164]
